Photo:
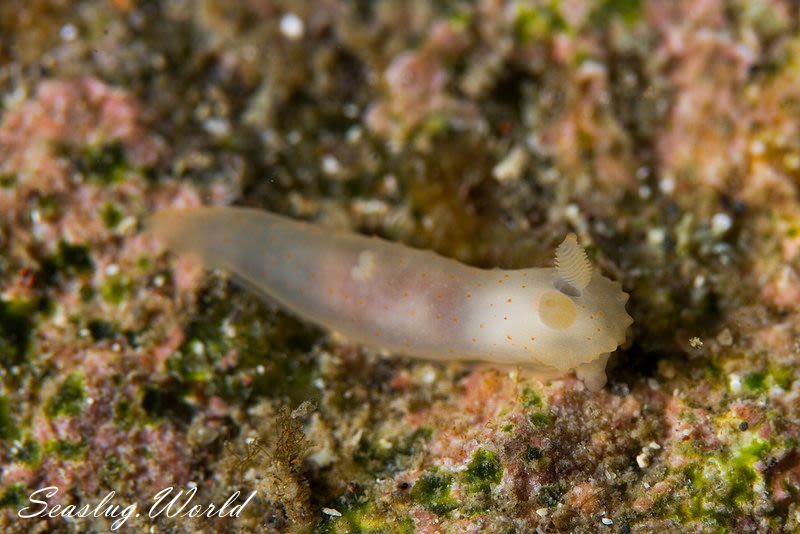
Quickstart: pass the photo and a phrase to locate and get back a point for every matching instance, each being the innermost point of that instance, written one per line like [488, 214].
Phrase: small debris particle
[695, 342]
[606, 521]
[68, 32]
[757, 147]
[667, 185]
[643, 460]
[217, 127]
[656, 236]
[292, 26]
[735, 383]
[721, 223]
[725, 338]
[330, 165]
[542, 512]
[332, 512]
[512, 166]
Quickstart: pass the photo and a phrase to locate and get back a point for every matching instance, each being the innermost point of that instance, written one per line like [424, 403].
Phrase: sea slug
[549, 321]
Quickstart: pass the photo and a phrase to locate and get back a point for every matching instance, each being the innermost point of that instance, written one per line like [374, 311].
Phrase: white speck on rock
[330, 165]
[332, 512]
[292, 26]
[720, 223]
[68, 32]
[667, 185]
[217, 127]
[656, 236]
[725, 338]
[735, 383]
[757, 147]
[512, 166]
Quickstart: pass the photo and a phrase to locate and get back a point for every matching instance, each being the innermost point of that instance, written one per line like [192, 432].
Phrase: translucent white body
[410, 301]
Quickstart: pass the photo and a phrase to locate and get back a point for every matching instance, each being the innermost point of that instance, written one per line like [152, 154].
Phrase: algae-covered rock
[665, 135]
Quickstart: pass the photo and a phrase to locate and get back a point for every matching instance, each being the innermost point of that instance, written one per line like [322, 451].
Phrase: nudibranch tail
[572, 265]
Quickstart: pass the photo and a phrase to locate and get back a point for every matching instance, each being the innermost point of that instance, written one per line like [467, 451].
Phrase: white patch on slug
[364, 269]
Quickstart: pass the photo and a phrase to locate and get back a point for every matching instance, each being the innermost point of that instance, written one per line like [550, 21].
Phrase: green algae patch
[432, 491]
[29, 452]
[271, 352]
[723, 483]
[537, 22]
[65, 449]
[100, 329]
[550, 495]
[69, 399]
[755, 381]
[105, 163]
[392, 455]
[13, 496]
[71, 259]
[539, 419]
[8, 428]
[116, 289]
[364, 518]
[8, 181]
[532, 454]
[16, 324]
[111, 215]
[484, 470]
[628, 10]
[759, 382]
[530, 398]
[533, 403]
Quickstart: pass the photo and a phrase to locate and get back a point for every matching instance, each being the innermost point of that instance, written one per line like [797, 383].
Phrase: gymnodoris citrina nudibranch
[549, 321]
